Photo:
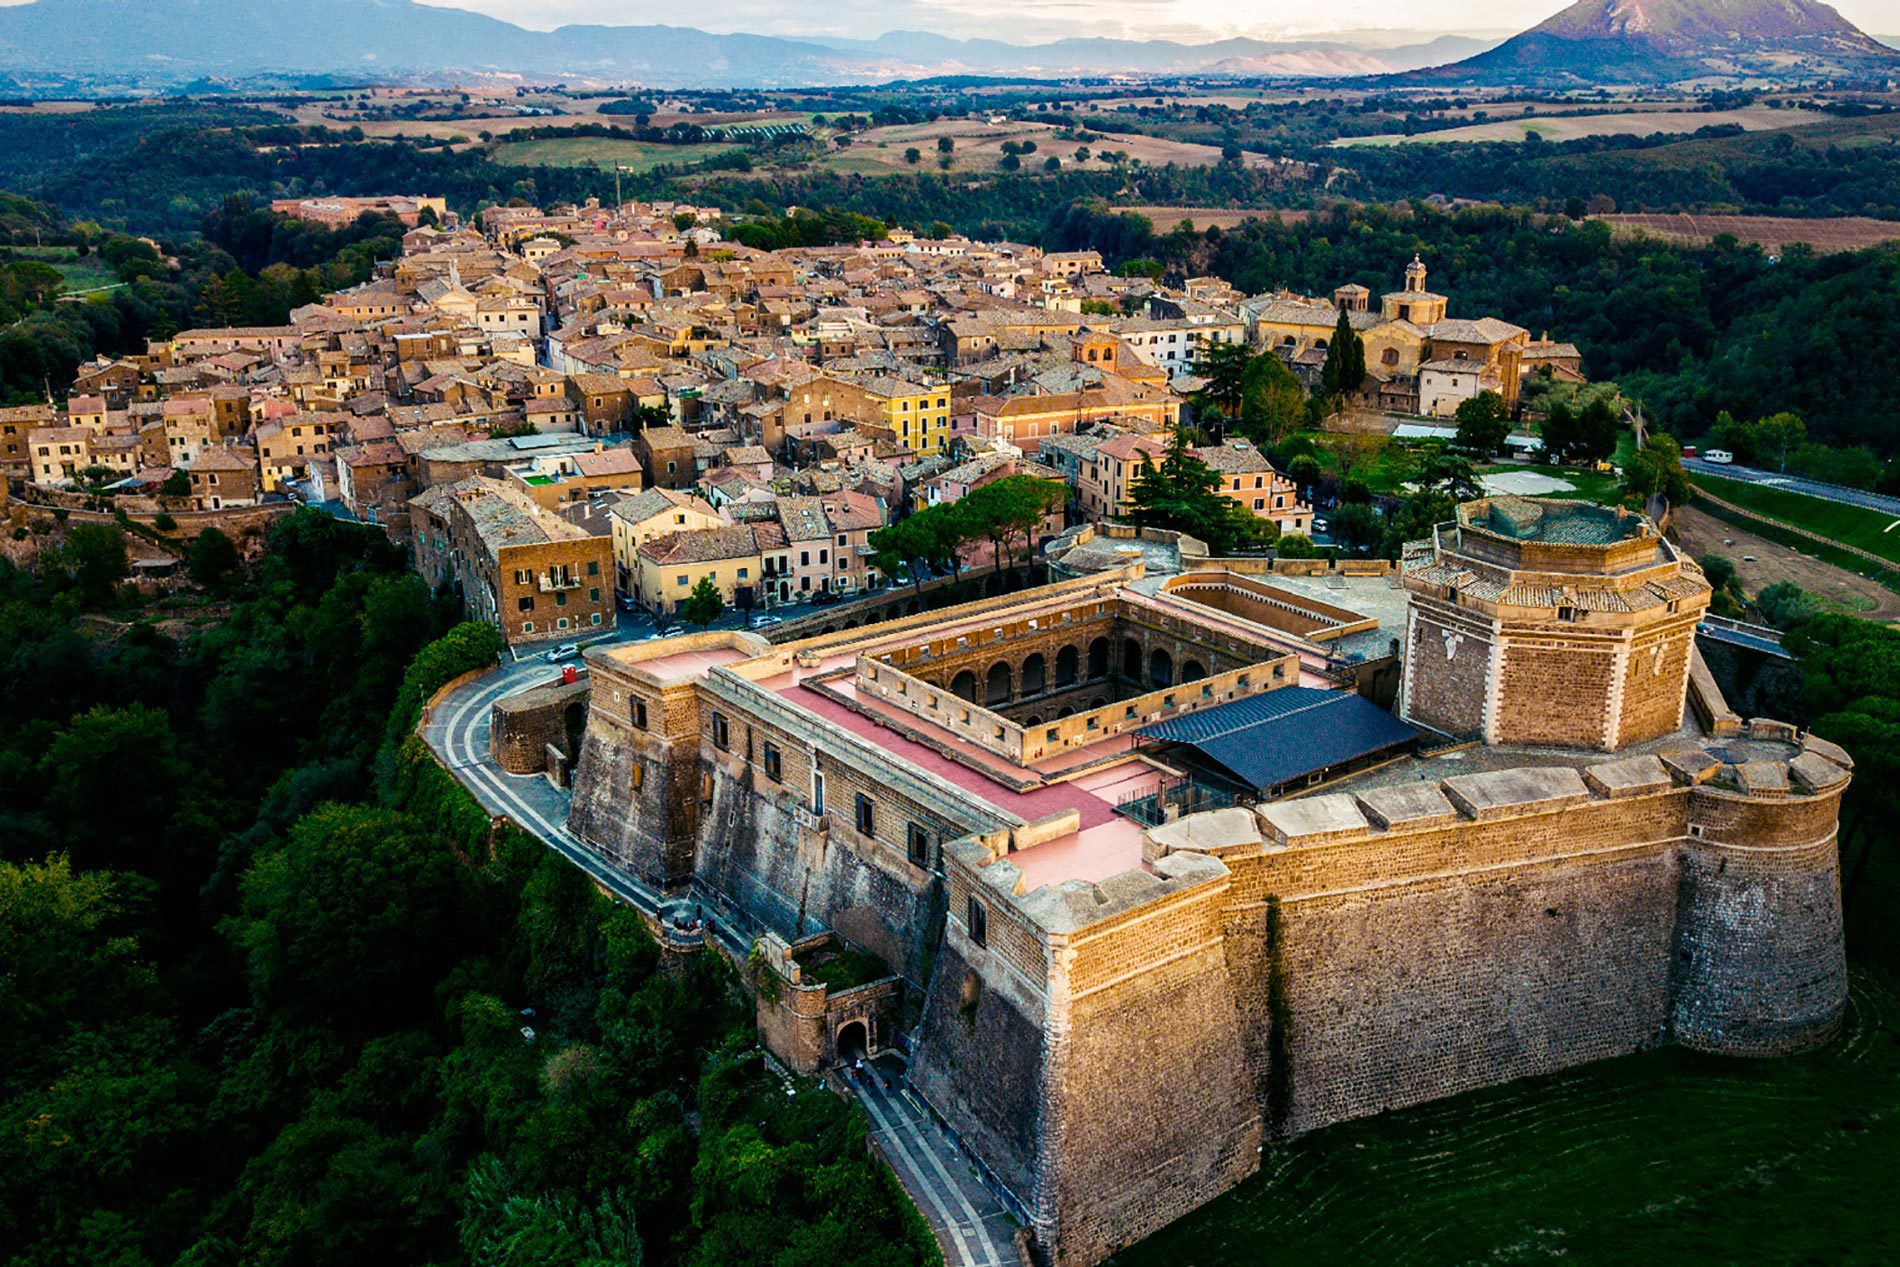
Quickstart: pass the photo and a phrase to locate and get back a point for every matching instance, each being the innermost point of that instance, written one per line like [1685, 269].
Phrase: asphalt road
[968, 1220]
[1795, 484]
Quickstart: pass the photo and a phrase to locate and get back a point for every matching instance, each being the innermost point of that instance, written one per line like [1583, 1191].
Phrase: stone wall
[1326, 958]
[523, 726]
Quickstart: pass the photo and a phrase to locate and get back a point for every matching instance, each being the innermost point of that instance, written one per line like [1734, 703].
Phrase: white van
[1721, 457]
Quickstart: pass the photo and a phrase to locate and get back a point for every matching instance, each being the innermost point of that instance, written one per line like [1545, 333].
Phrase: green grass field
[1849, 525]
[1661, 1157]
[603, 152]
[82, 273]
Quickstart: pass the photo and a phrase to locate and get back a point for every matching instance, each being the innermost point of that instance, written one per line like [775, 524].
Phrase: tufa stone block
[1631, 776]
[1313, 820]
[1499, 793]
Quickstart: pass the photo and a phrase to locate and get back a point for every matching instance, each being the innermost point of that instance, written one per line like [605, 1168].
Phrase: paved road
[968, 1220]
[1795, 484]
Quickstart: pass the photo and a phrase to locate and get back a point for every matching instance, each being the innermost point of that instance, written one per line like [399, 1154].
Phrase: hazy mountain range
[142, 44]
[169, 42]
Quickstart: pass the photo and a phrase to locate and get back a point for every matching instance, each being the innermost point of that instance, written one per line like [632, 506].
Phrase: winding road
[967, 1219]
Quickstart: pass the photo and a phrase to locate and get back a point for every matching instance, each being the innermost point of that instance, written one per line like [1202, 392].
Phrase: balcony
[554, 582]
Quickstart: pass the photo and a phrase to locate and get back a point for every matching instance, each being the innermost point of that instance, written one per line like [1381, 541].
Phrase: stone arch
[1389, 357]
[1100, 701]
[1067, 660]
[913, 608]
[1319, 345]
[1034, 678]
[1131, 659]
[1034, 719]
[963, 686]
[1067, 710]
[853, 1040]
[996, 684]
[1161, 667]
[1193, 671]
[1098, 659]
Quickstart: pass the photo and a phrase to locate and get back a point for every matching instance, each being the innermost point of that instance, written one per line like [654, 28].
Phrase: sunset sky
[1369, 21]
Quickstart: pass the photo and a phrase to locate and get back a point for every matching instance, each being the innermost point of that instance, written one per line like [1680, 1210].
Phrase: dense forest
[277, 992]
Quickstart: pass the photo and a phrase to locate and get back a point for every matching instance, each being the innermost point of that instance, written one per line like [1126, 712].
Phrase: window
[917, 845]
[680, 579]
[525, 604]
[1567, 614]
[978, 920]
[744, 573]
[594, 619]
[722, 735]
[817, 792]
[527, 626]
[640, 713]
[593, 595]
[593, 567]
[560, 599]
[774, 764]
[866, 815]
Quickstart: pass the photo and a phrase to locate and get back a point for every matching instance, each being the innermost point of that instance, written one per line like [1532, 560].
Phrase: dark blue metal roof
[1741, 638]
[1285, 734]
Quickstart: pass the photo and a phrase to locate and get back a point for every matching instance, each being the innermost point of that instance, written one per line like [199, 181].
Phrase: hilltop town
[1048, 777]
[560, 407]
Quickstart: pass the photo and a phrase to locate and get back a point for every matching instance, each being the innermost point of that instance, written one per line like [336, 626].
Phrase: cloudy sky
[1366, 21]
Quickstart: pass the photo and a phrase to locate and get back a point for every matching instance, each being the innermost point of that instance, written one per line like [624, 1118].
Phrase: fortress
[1159, 878]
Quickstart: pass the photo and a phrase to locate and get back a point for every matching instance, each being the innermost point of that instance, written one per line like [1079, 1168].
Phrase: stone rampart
[1281, 969]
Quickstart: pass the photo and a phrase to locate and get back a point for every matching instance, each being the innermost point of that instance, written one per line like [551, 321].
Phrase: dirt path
[1699, 533]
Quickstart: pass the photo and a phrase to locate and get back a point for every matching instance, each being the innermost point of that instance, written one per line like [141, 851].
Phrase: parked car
[1319, 525]
[766, 622]
[566, 651]
[827, 597]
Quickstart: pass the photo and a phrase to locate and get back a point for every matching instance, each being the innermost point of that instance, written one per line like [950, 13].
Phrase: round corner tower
[1549, 623]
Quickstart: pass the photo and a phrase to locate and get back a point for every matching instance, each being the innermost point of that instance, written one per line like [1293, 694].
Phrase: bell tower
[1415, 277]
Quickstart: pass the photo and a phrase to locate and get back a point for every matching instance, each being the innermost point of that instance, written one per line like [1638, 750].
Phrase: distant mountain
[1598, 42]
[1238, 56]
[165, 43]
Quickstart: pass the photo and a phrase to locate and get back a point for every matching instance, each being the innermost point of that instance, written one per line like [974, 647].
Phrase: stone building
[1112, 1001]
[527, 571]
[1552, 623]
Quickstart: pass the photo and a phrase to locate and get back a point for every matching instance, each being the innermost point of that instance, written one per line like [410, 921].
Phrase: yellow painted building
[671, 567]
[917, 414]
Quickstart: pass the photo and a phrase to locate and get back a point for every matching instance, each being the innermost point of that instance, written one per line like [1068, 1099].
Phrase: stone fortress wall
[1321, 959]
[1115, 1052]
